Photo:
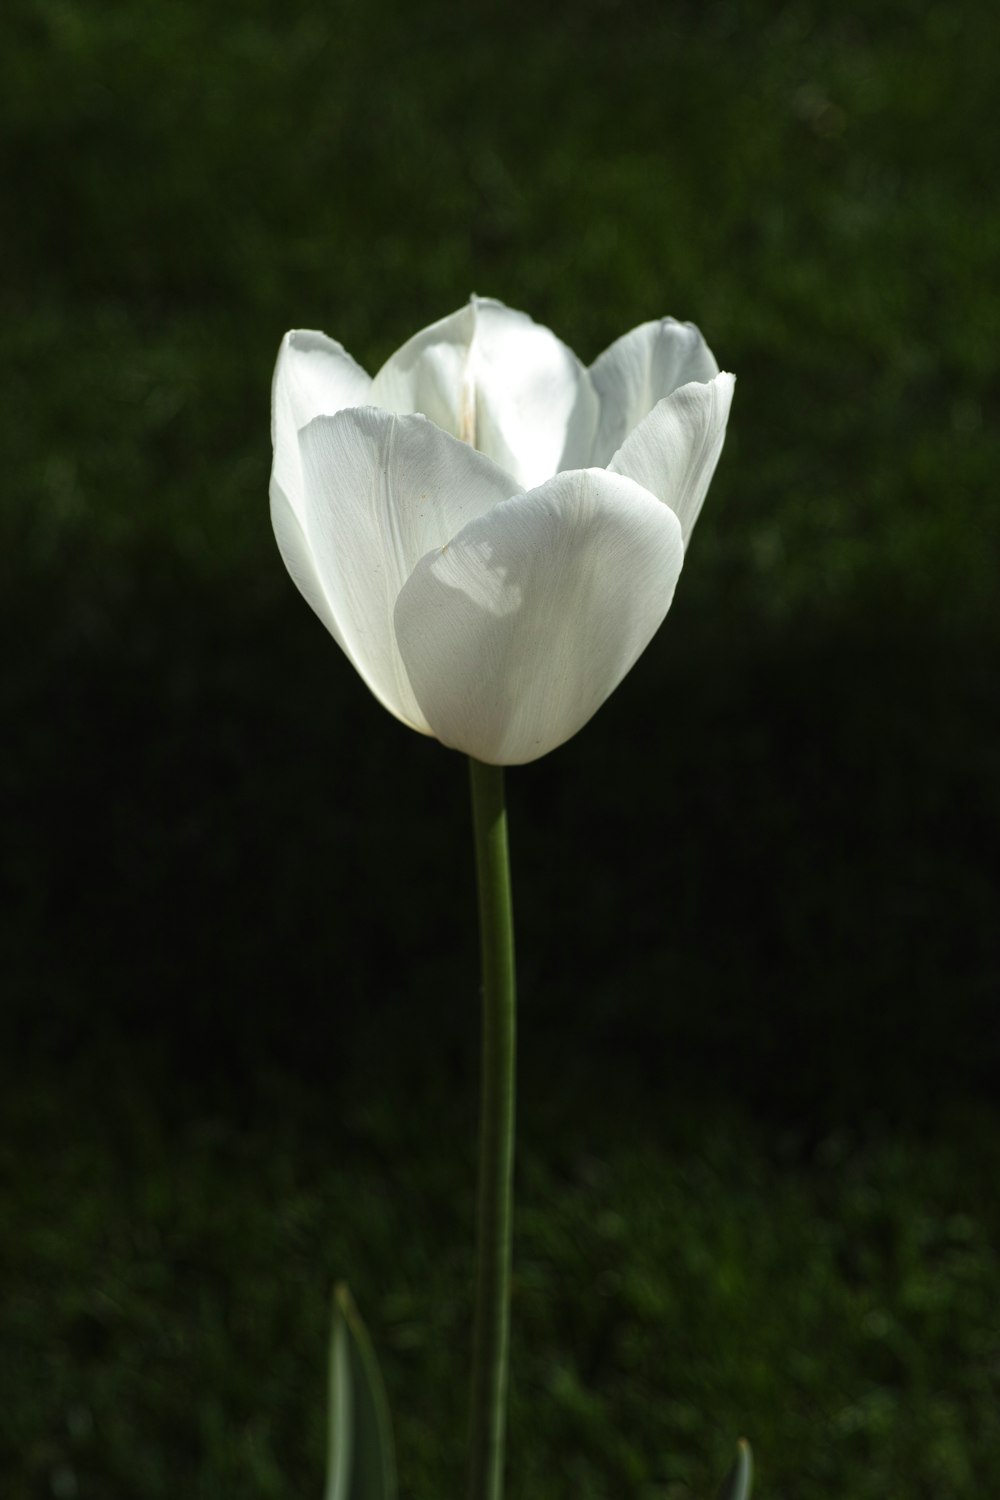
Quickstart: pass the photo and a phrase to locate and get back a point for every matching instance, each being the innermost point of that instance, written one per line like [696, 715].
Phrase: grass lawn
[682, 1275]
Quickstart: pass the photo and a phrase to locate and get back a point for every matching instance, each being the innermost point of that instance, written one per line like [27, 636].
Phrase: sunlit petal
[500, 382]
[515, 632]
[674, 450]
[640, 369]
[313, 376]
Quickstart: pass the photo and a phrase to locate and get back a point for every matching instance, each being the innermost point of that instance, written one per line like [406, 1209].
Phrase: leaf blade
[361, 1461]
[738, 1483]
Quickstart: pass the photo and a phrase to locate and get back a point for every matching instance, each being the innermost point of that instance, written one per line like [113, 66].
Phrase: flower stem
[496, 1142]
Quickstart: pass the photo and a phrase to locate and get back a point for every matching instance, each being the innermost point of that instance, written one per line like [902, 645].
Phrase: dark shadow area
[220, 848]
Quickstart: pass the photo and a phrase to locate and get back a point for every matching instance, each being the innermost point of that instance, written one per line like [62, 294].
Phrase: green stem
[496, 1147]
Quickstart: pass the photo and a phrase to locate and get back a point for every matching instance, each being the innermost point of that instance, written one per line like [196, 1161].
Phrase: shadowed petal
[378, 492]
[515, 632]
[298, 559]
[673, 452]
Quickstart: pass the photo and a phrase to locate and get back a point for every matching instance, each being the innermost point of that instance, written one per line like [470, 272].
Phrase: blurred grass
[682, 1275]
[759, 1021]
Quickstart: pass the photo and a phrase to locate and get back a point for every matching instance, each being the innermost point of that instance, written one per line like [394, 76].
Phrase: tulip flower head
[490, 531]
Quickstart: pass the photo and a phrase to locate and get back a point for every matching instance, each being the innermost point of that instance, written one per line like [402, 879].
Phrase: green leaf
[361, 1464]
[738, 1483]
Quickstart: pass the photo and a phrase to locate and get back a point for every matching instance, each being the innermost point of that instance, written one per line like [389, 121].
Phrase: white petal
[536, 407]
[298, 559]
[515, 632]
[379, 491]
[500, 382]
[673, 452]
[430, 374]
[640, 369]
[313, 376]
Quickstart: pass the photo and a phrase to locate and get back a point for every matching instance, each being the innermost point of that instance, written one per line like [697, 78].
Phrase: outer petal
[674, 451]
[313, 376]
[515, 632]
[640, 369]
[299, 561]
[500, 382]
[378, 492]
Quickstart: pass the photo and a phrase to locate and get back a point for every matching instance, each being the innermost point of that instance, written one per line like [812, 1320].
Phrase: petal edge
[515, 633]
[641, 368]
[675, 449]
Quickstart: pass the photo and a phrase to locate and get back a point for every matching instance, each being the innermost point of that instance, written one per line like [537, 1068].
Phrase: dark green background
[756, 896]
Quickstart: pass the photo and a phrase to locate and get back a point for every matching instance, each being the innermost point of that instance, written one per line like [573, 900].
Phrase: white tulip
[490, 531]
